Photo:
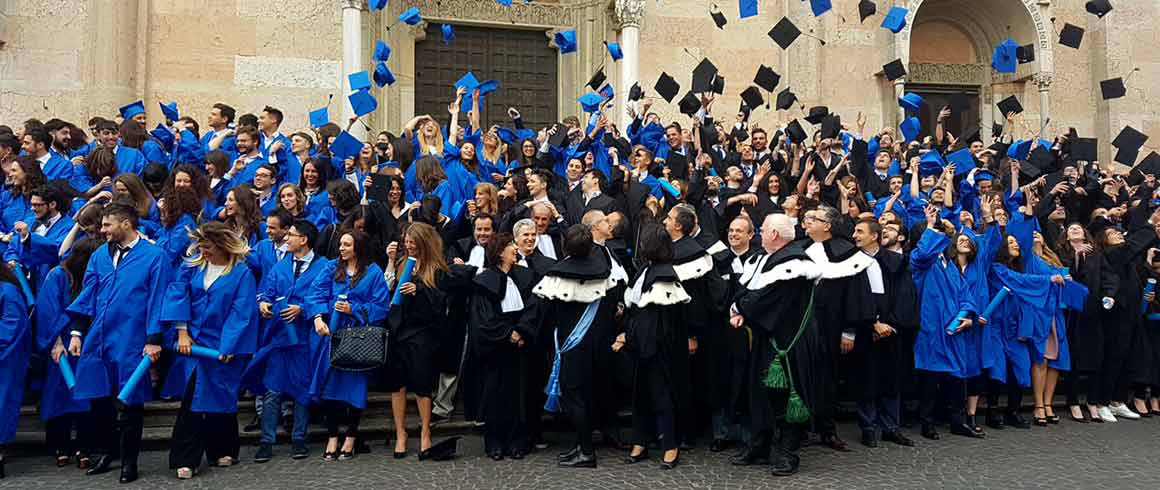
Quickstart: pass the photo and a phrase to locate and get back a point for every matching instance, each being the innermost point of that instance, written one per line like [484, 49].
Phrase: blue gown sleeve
[177, 305]
[930, 246]
[13, 315]
[51, 300]
[239, 332]
[319, 299]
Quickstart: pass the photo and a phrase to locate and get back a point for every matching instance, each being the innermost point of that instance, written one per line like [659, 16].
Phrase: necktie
[118, 254]
[297, 267]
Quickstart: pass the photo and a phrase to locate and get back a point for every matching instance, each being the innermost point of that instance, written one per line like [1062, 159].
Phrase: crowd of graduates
[728, 283]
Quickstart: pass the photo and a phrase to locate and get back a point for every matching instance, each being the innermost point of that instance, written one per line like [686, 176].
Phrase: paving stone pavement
[1123, 455]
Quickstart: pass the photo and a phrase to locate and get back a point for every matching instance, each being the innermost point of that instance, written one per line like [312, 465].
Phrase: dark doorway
[935, 97]
[520, 60]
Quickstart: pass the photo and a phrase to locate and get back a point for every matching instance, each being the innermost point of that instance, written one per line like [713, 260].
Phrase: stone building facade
[77, 58]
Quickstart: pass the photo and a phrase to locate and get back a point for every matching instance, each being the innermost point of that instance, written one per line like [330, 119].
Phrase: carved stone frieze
[534, 13]
[629, 13]
[957, 74]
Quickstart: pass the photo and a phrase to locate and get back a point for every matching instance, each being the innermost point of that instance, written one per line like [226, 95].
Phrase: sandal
[225, 461]
[1040, 421]
[1081, 419]
[329, 456]
[184, 473]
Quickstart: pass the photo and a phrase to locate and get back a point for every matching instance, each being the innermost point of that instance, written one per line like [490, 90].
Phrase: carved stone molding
[1043, 80]
[966, 74]
[629, 13]
[535, 13]
[418, 31]
[353, 4]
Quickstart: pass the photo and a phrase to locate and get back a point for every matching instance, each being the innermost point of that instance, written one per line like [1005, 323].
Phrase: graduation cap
[1042, 158]
[894, 70]
[703, 76]
[719, 19]
[1030, 171]
[820, 7]
[784, 33]
[505, 3]
[766, 78]
[910, 101]
[507, 136]
[1019, 150]
[363, 102]
[817, 113]
[635, 93]
[410, 16]
[996, 130]
[376, 5]
[1084, 149]
[910, 128]
[931, 163]
[597, 79]
[566, 41]
[1150, 164]
[718, 85]
[689, 104]
[319, 117]
[831, 126]
[999, 147]
[607, 92]
[614, 51]
[130, 110]
[467, 81]
[359, 80]
[1129, 137]
[752, 97]
[667, 87]
[866, 8]
[1003, 59]
[1127, 156]
[590, 102]
[448, 34]
[163, 136]
[748, 8]
[383, 75]
[1009, 106]
[345, 146]
[1025, 54]
[1071, 36]
[1098, 8]
[794, 132]
[557, 140]
[963, 159]
[1113, 89]
[785, 99]
[895, 19]
[442, 450]
[382, 51]
[170, 111]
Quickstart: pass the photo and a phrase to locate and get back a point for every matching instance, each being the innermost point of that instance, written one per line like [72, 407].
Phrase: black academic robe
[657, 344]
[577, 208]
[418, 327]
[877, 366]
[1085, 329]
[731, 354]
[696, 271]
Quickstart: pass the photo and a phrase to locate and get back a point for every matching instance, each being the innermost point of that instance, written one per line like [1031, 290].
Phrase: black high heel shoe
[400, 455]
[329, 455]
[630, 459]
[1040, 421]
[346, 455]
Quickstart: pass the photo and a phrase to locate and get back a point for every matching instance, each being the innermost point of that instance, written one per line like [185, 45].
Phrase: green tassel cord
[775, 375]
[796, 411]
[779, 376]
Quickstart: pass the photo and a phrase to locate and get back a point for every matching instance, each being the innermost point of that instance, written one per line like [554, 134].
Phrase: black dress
[417, 327]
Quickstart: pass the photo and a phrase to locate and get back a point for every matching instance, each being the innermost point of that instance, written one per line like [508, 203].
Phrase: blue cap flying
[911, 102]
[170, 111]
[748, 8]
[1019, 150]
[1003, 60]
[590, 102]
[319, 117]
[382, 51]
[820, 6]
[410, 16]
[345, 146]
[963, 161]
[383, 75]
[614, 50]
[360, 80]
[911, 127]
[448, 34]
[895, 19]
[931, 163]
[377, 4]
[566, 41]
[363, 102]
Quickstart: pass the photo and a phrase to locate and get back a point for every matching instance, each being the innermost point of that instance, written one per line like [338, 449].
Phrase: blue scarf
[577, 335]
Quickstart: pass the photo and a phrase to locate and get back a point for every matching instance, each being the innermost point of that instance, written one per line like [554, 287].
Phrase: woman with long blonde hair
[209, 304]
[426, 136]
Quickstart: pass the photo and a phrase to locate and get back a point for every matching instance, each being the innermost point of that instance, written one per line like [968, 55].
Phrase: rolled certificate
[954, 325]
[66, 372]
[203, 352]
[669, 189]
[1148, 288]
[139, 373]
[334, 314]
[291, 331]
[28, 296]
[1154, 317]
[995, 302]
[405, 277]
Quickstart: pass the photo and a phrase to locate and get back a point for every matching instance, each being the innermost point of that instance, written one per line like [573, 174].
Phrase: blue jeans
[272, 410]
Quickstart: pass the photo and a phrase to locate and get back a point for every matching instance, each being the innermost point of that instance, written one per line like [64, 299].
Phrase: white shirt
[127, 248]
[44, 159]
[41, 228]
[212, 273]
[544, 244]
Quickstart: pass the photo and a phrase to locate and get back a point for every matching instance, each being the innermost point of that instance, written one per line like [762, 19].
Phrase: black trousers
[336, 414]
[783, 436]
[941, 390]
[117, 433]
[1013, 390]
[58, 434]
[1076, 384]
[213, 435]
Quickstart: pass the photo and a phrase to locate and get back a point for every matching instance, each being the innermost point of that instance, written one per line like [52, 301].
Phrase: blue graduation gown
[124, 304]
[262, 258]
[175, 240]
[39, 254]
[57, 167]
[154, 153]
[368, 299]
[318, 210]
[279, 365]
[52, 323]
[1012, 332]
[287, 167]
[222, 317]
[188, 150]
[130, 161]
[15, 346]
[228, 145]
[14, 208]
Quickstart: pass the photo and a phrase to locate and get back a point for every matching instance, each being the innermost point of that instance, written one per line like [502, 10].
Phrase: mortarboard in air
[1129, 137]
[766, 78]
[363, 102]
[410, 16]
[1113, 89]
[130, 110]
[1127, 156]
[960, 102]
[963, 161]
[1071, 36]
[894, 70]
[719, 19]
[895, 19]
[785, 99]
[1019, 150]
[377, 4]
[319, 117]
[607, 92]
[1098, 8]
[703, 76]
[1009, 106]
[910, 128]
[820, 7]
[635, 93]
[590, 102]
[971, 137]
[831, 126]
[931, 163]
[910, 101]
[667, 87]
[505, 3]
[817, 113]
[748, 8]
[689, 104]
[1150, 164]
[383, 75]
[557, 140]
[506, 135]
[345, 146]
[1003, 59]
[443, 450]
[1084, 149]
[359, 80]
[566, 41]
[1029, 171]
[1042, 158]
[467, 81]
[448, 34]
[999, 147]
[597, 79]
[484, 88]
[718, 85]
[996, 130]
[794, 132]
[170, 111]
[784, 33]
[1025, 54]
[382, 51]
[614, 51]
[752, 97]
[866, 8]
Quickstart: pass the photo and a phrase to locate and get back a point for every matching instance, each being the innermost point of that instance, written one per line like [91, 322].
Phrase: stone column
[352, 43]
[899, 88]
[628, 15]
[1043, 82]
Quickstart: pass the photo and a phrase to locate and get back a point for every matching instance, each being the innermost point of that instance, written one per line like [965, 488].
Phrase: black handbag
[357, 349]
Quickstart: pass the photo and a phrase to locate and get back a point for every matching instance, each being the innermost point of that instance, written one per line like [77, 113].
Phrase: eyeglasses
[293, 234]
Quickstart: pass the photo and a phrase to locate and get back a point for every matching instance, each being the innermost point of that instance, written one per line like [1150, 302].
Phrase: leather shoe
[580, 460]
[748, 457]
[929, 432]
[1016, 420]
[128, 473]
[897, 438]
[569, 454]
[784, 463]
[836, 443]
[719, 445]
[966, 431]
[869, 439]
[995, 421]
[104, 465]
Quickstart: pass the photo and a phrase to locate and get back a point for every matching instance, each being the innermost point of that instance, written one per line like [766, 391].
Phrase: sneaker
[1121, 410]
[265, 453]
[1106, 414]
[299, 450]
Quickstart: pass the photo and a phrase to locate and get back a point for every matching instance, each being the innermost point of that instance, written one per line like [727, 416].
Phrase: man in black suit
[592, 195]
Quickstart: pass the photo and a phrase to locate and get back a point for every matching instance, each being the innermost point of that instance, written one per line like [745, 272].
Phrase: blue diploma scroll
[954, 325]
[291, 331]
[405, 277]
[139, 373]
[28, 296]
[1148, 288]
[66, 372]
[669, 189]
[995, 302]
